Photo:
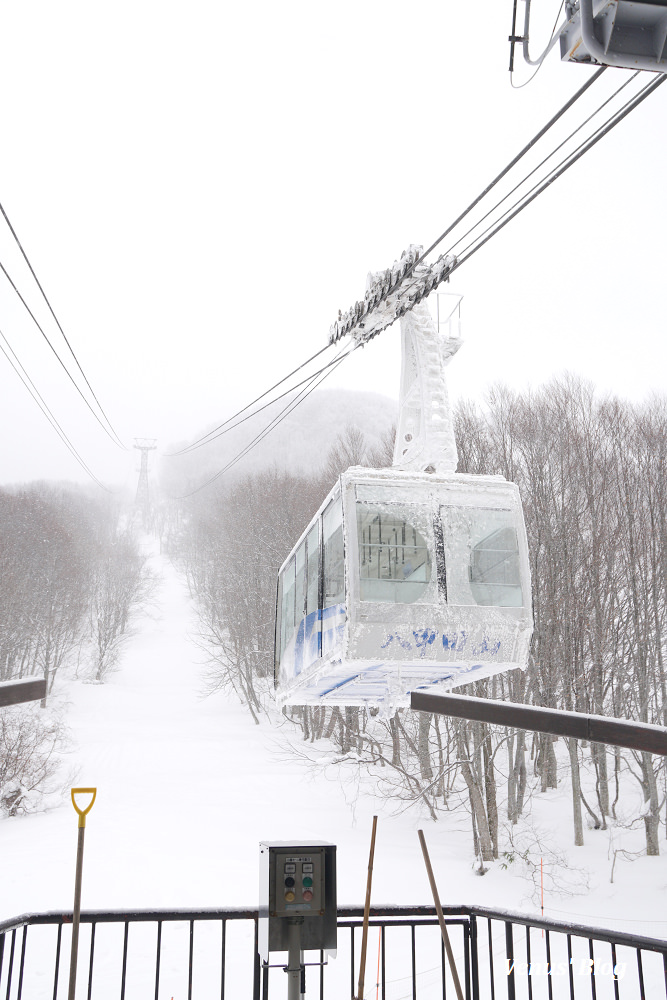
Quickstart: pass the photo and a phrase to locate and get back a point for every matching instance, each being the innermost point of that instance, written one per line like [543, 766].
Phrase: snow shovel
[77, 884]
[367, 907]
[441, 919]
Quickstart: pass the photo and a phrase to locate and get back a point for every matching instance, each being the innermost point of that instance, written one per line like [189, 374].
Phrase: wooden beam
[595, 728]
[17, 692]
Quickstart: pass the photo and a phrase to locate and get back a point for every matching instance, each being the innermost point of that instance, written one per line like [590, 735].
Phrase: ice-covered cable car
[407, 577]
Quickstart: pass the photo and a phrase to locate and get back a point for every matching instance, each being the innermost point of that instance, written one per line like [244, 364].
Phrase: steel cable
[57, 321]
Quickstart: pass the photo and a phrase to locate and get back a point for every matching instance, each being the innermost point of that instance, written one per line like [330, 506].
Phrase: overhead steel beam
[595, 728]
[17, 692]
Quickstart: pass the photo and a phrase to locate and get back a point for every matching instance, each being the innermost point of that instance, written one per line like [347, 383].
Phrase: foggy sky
[201, 188]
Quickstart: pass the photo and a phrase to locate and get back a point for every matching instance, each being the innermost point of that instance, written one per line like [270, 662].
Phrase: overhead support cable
[57, 321]
[213, 434]
[387, 298]
[520, 155]
[228, 426]
[313, 383]
[382, 296]
[545, 160]
[34, 392]
[611, 123]
[57, 356]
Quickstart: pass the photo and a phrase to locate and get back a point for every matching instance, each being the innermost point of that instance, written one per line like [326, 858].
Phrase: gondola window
[394, 554]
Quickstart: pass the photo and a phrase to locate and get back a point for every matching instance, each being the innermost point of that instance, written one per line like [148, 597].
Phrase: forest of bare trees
[71, 576]
[591, 472]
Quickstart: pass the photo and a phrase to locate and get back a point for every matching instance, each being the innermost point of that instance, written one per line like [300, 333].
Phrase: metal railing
[211, 953]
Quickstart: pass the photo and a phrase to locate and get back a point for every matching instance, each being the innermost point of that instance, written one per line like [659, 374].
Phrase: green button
[307, 880]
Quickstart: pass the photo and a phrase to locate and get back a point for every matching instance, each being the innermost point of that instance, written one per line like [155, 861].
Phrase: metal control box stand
[297, 904]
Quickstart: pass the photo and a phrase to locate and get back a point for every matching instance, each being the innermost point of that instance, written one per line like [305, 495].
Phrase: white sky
[200, 187]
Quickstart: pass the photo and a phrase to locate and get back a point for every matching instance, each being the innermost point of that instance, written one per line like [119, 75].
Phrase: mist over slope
[299, 443]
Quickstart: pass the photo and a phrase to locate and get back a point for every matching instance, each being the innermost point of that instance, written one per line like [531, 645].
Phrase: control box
[297, 885]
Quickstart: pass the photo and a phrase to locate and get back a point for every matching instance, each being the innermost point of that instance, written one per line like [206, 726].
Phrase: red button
[307, 895]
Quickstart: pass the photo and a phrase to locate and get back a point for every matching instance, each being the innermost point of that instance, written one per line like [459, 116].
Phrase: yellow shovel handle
[83, 812]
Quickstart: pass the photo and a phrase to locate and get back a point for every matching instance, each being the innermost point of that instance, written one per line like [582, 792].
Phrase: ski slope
[188, 786]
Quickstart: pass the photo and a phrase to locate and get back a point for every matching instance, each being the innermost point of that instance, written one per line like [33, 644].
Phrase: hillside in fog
[299, 443]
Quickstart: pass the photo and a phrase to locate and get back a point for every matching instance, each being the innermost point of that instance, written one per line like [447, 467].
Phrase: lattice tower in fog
[142, 499]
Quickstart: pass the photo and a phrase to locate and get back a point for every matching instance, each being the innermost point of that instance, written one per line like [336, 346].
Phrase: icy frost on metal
[425, 434]
[376, 653]
[391, 294]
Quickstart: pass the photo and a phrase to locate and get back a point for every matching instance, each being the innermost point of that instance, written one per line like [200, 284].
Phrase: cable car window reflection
[482, 557]
[394, 554]
[333, 571]
[287, 611]
[300, 584]
[313, 576]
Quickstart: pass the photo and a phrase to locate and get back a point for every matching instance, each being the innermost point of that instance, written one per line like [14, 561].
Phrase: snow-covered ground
[188, 786]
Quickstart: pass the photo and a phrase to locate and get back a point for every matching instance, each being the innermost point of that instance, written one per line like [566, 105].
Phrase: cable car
[407, 577]
[403, 581]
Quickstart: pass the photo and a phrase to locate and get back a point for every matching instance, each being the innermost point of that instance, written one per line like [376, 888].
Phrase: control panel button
[289, 881]
[307, 895]
[289, 896]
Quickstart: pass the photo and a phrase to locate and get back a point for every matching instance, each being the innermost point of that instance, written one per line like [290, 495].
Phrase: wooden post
[367, 908]
[441, 917]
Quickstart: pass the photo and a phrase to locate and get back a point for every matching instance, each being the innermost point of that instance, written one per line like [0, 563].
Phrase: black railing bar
[566, 927]
[592, 973]
[398, 910]
[11, 964]
[258, 983]
[466, 958]
[57, 968]
[443, 974]
[208, 913]
[158, 956]
[509, 955]
[190, 956]
[528, 958]
[223, 946]
[432, 922]
[414, 962]
[265, 983]
[383, 932]
[346, 913]
[640, 970]
[22, 962]
[474, 956]
[285, 965]
[92, 956]
[569, 965]
[134, 916]
[613, 965]
[491, 972]
[321, 974]
[124, 971]
[549, 981]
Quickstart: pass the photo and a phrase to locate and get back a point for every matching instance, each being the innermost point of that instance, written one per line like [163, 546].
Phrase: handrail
[345, 913]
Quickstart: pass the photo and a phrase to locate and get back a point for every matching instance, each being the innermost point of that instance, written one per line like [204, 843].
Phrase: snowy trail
[187, 785]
